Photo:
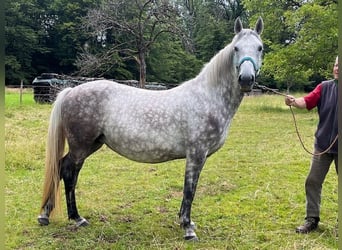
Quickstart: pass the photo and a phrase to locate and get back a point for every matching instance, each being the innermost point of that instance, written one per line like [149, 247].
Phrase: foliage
[22, 39]
[213, 25]
[250, 194]
[65, 38]
[316, 41]
[301, 39]
[207, 43]
[41, 36]
[164, 64]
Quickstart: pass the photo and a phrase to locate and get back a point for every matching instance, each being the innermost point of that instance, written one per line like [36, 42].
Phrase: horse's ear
[238, 25]
[259, 26]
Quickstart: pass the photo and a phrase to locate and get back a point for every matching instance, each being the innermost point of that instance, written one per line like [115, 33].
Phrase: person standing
[324, 97]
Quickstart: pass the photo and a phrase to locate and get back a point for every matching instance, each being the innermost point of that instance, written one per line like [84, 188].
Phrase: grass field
[250, 194]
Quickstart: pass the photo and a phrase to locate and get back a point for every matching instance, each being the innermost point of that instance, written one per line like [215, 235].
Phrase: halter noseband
[248, 58]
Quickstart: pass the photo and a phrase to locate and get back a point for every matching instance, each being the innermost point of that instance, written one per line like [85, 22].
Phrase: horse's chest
[211, 131]
[217, 126]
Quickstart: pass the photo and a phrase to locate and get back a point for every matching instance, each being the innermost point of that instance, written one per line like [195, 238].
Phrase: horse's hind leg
[69, 172]
[70, 168]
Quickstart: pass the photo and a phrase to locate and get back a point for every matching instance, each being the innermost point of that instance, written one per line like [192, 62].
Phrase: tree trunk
[142, 69]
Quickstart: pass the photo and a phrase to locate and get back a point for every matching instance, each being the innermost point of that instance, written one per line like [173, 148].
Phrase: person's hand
[290, 100]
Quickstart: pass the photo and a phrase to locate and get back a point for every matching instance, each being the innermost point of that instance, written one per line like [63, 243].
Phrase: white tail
[54, 152]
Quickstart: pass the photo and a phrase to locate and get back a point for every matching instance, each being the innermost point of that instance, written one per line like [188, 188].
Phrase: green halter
[248, 58]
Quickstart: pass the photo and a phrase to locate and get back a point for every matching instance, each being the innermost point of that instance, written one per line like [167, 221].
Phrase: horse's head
[248, 50]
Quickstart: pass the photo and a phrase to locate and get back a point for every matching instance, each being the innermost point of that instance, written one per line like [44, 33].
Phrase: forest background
[166, 41]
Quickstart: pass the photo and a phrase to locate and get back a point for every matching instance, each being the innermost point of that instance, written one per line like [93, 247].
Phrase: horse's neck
[221, 77]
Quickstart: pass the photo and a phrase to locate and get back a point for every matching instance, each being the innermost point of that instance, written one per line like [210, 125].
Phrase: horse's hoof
[81, 222]
[43, 220]
[191, 238]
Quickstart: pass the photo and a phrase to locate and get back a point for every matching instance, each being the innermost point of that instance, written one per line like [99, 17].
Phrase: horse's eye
[260, 48]
[236, 48]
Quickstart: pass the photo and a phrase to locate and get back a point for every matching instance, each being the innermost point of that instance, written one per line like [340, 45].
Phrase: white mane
[219, 67]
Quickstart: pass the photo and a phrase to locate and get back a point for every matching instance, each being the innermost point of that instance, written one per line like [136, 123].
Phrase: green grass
[250, 194]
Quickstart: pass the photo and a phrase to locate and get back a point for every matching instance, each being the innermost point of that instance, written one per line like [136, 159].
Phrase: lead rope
[295, 123]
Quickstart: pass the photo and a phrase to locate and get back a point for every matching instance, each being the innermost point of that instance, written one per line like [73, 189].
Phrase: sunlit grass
[250, 194]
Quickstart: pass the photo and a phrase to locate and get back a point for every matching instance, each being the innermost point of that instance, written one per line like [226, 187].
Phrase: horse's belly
[149, 150]
[140, 153]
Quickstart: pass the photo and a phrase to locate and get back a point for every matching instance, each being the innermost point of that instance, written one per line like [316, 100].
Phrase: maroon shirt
[324, 97]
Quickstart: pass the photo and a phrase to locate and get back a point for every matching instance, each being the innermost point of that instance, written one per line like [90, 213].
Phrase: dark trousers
[313, 186]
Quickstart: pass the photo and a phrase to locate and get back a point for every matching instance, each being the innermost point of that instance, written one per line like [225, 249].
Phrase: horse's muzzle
[246, 82]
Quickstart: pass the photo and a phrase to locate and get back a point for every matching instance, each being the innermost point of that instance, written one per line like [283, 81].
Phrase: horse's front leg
[194, 165]
[69, 173]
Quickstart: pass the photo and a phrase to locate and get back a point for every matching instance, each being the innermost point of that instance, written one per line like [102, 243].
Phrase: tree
[316, 37]
[129, 28]
[22, 33]
[301, 39]
[168, 62]
[63, 38]
[42, 36]
[211, 24]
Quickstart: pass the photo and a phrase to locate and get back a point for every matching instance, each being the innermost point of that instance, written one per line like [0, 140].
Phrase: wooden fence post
[21, 92]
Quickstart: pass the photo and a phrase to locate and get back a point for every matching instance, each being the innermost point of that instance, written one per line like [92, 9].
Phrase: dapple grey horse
[189, 121]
